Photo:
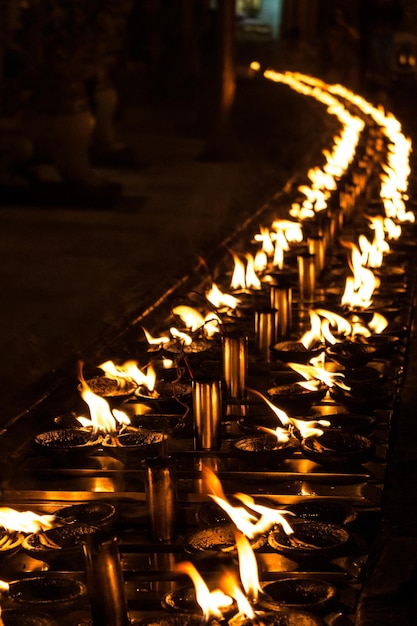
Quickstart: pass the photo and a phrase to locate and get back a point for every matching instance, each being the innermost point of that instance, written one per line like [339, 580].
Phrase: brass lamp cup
[105, 582]
[281, 300]
[307, 277]
[266, 324]
[161, 493]
[208, 411]
[317, 248]
[235, 369]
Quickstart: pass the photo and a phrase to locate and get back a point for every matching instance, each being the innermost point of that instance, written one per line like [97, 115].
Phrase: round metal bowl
[10, 541]
[336, 447]
[351, 354]
[62, 542]
[284, 618]
[218, 539]
[162, 423]
[310, 540]
[15, 617]
[183, 600]
[352, 422]
[181, 619]
[294, 398]
[363, 396]
[324, 510]
[111, 388]
[308, 594]
[67, 441]
[169, 397]
[264, 449]
[46, 592]
[295, 351]
[97, 514]
[140, 442]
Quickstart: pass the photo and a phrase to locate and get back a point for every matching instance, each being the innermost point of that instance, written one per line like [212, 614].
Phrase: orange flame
[212, 603]
[248, 568]
[102, 417]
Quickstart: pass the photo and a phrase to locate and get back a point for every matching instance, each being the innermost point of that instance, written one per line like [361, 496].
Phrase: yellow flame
[24, 521]
[248, 568]
[231, 587]
[212, 603]
[218, 298]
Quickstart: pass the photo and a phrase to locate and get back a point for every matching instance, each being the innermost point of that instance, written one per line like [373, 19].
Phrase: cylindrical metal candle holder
[281, 299]
[161, 495]
[235, 368]
[105, 582]
[266, 323]
[306, 277]
[208, 409]
[316, 247]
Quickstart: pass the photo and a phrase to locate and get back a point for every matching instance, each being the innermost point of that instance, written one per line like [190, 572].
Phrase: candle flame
[212, 603]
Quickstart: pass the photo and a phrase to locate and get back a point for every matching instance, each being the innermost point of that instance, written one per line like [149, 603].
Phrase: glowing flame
[318, 373]
[102, 417]
[305, 428]
[194, 320]
[24, 521]
[281, 434]
[313, 335]
[249, 524]
[265, 238]
[212, 603]
[231, 586]
[154, 341]
[131, 372]
[182, 337]
[219, 299]
[378, 323]
[248, 568]
[333, 322]
[244, 278]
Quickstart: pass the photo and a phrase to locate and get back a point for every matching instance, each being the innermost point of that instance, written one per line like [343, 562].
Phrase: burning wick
[210, 602]
[103, 419]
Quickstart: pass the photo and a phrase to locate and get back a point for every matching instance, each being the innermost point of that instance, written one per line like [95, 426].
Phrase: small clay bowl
[16, 617]
[97, 514]
[46, 592]
[306, 594]
[361, 423]
[180, 619]
[284, 618]
[111, 388]
[324, 510]
[293, 398]
[218, 539]
[310, 540]
[183, 600]
[264, 449]
[60, 543]
[295, 351]
[335, 447]
[363, 396]
[140, 442]
[10, 541]
[63, 442]
[351, 354]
